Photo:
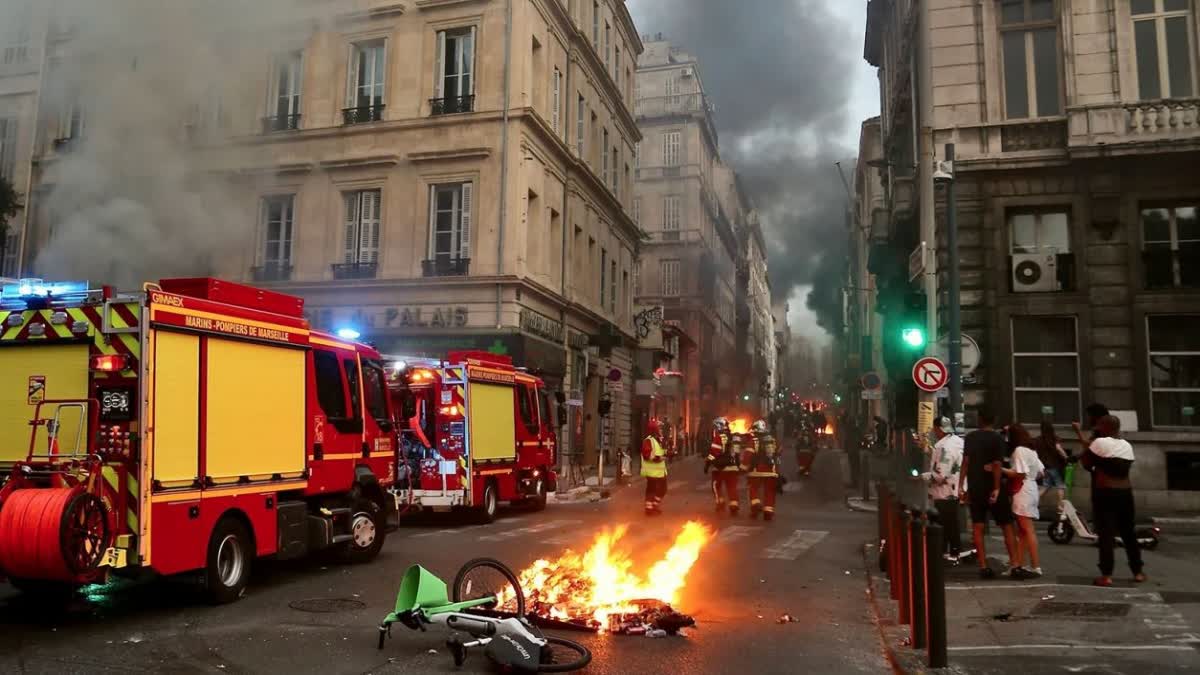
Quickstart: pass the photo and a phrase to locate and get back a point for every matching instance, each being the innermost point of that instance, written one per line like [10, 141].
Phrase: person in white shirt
[1025, 470]
[945, 463]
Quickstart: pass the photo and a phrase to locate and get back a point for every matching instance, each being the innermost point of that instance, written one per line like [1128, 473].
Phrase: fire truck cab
[192, 427]
[475, 431]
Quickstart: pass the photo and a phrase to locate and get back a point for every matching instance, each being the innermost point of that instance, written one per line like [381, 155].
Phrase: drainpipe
[508, 31]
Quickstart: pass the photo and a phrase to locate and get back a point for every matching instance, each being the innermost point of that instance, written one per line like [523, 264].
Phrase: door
[34, 372]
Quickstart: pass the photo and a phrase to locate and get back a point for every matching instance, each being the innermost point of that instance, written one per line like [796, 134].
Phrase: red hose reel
[53, 534]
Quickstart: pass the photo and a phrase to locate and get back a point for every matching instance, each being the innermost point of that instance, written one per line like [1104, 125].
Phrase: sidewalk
[1061, 623]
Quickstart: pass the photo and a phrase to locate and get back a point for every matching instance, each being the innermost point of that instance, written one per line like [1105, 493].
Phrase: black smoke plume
[776, 70]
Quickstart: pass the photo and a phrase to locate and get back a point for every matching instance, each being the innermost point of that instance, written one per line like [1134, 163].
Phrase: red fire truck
[192, 427]
[475, 432]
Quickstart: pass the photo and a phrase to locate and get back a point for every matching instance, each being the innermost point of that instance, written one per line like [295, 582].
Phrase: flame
[603, 581]
[739, 426]
[828, 429]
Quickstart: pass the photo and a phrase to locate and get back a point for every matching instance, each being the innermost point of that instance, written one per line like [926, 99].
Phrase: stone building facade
[1077, 132]
[435, 175]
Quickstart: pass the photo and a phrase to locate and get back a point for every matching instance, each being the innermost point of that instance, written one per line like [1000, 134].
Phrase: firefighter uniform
[654, 468]
[722, 461]
[760, 461]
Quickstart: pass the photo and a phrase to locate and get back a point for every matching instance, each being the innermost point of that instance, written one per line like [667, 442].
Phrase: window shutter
[285, 245]
[469, 65]
[352, 76]
[556, 114]
[433, 252]
[351, 241]
[464, 247]
[368, 228]
[439, 66]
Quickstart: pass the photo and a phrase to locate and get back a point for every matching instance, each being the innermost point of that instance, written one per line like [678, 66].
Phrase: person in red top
[654, 468]
[760, 463]
[724, 465]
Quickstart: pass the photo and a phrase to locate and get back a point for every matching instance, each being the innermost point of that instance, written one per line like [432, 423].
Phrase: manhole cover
[1089, 610]
[326, 605]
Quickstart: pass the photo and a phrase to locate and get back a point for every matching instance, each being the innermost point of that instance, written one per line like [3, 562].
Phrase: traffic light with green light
[912, 323]
[913, 337]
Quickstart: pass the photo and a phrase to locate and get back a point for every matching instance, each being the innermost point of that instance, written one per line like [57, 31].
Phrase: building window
[608, 54]
[1040, 251]
[604, 157]
[671, 218]
[1163, 41]
[368, 67]
[284, 114]
[668, 271]
[454, 70]
[556, 102]
[596, 24]
[1171, 246]
[603, 273]
[581, 126]
[450, 214]
[637, 278]
[9, 254]
[1174, 342]
[1045, 369]
[16, 36]
[1029, 40]
[617, 67]
[361, 247]
[612, 286]
[625, 292]
[614, 175]
[637, 210]
[8, 148]
[637, 155]
[672, 90]
[671, 148]
[275, 258]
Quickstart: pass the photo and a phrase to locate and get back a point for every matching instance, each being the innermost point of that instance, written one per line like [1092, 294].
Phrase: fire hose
[52, 534]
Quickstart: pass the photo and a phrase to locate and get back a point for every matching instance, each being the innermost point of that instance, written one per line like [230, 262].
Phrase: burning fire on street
[602, 589]
[739, 426]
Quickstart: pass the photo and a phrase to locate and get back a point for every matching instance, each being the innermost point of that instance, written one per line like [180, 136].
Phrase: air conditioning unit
[1035, 272]
[685, 72]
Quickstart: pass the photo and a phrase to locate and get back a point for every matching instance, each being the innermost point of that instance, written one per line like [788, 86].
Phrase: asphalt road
[807, 563]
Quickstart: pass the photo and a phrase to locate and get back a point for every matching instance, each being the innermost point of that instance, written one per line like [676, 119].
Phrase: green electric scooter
[508, 639]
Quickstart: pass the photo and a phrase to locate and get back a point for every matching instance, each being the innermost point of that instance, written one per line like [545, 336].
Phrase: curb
[877, 617]
[1178, 525]
[857, 504]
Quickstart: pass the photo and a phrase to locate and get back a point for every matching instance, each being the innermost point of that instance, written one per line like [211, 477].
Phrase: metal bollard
[894, 548]
[935, 597]
[904, 578]
[917, 606]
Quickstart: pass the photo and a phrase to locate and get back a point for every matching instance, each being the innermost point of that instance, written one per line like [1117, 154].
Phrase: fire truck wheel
[230, 551]
[368, 529]
[538, 501]
[490, 505]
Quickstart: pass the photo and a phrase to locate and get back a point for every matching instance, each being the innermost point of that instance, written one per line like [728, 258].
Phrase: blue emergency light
[348, 334]
[26, 291]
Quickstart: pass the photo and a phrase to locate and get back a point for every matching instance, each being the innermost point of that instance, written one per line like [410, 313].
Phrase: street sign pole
[953, 311]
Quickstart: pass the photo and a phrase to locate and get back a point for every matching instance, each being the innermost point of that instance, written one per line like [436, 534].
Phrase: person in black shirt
[984, 451]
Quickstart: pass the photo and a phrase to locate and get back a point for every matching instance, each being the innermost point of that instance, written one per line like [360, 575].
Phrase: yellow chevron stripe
[462, 392]
[133, 343]
[77, 314]
[62, 330]
[11, 333]
[115, 319]
[110, 477]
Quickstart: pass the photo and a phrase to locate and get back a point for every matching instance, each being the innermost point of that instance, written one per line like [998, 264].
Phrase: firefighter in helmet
[760, 461]
[722, 461]
[654, 467]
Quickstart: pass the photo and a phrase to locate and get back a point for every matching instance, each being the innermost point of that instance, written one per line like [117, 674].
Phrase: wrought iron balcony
[452, 105]
[362, 115]
[446, 267]
[280, 123]
[272, 272]
[355, 270]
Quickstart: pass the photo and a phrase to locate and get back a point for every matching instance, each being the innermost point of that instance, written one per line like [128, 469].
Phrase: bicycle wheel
[484, 577]
[565, 649]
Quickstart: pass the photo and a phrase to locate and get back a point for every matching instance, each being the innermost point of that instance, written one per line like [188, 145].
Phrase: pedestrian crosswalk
[759, 539]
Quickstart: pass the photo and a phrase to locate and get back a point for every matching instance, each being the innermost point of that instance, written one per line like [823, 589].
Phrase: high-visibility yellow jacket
[654, 458]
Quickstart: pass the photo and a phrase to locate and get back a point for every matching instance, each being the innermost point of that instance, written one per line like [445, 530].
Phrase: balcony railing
[681, 104]
[272, 272]
[355, 270]
[1142, 122]
[452, 105]
[1044, 135]
[446, 267]
[280, 123]
[674, 236]
[362, 115]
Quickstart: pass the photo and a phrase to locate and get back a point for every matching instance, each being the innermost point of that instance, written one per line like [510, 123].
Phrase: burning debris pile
[600, 589]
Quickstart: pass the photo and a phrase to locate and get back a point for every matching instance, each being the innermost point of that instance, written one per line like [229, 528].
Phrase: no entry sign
[930, 374]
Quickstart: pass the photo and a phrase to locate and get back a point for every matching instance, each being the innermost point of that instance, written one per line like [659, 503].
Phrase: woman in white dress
[1022, 476]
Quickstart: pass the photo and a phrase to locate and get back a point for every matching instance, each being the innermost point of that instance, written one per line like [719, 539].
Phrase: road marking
[532, 529]
[1107, 648]
[468, 528]
[734, 532]
[796, 544]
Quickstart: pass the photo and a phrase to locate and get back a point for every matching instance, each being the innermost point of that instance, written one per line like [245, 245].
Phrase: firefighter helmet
[721, 424]
[759, 427]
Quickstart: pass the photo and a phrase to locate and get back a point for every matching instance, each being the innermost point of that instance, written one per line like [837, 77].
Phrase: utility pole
[953, 312]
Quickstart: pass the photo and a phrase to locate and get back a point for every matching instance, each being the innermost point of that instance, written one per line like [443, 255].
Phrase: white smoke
[135, 197]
